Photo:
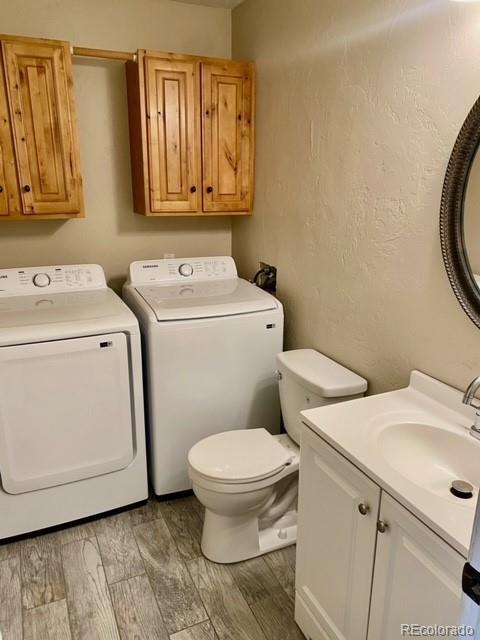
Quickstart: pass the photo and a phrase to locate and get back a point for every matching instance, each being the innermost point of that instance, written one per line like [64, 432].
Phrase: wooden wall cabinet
[227, 128]
[10, 205]
[173, 134]
[40, 175]
[191, 134]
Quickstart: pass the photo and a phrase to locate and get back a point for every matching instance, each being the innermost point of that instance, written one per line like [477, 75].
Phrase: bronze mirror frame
[452, 237]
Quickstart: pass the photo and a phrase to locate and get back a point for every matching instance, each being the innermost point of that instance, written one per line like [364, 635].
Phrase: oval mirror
[460, 216]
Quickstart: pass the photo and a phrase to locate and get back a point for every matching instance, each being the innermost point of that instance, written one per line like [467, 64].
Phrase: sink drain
[461, 489]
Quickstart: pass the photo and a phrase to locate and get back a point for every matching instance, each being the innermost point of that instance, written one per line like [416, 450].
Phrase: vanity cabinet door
[417, 576]
[40, 86]
[338, 508]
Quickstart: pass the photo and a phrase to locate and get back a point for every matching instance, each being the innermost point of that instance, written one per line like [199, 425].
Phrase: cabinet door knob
[193, 189]
[364, 509]
[27, 188]
[209, 189]
[382, 526]
[1, 189]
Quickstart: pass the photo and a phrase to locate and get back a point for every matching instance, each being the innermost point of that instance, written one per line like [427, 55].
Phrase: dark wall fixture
[266, 277]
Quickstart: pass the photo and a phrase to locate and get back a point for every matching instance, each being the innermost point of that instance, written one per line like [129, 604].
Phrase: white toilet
[247, 479]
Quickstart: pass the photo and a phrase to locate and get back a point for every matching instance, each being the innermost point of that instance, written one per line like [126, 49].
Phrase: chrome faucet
[468, 398]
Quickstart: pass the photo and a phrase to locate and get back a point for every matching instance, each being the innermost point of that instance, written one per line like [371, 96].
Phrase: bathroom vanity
[382, 541]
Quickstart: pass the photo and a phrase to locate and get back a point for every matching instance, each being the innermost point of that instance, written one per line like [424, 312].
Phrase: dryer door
[65, 411]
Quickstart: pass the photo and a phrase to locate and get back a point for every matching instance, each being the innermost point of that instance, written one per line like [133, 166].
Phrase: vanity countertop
[413, 443]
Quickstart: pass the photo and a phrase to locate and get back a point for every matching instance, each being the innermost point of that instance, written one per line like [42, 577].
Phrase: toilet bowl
[247, 479]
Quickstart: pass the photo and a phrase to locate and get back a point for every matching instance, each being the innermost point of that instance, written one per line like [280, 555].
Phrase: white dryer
[72, 435]
[210, 342]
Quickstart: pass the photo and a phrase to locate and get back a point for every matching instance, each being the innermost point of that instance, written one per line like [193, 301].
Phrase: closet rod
[85, 52]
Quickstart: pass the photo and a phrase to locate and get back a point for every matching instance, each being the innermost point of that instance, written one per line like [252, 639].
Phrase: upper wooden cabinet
[9, 189]
[227, 108]
[191, 135]
[173, 135]
[40, 164]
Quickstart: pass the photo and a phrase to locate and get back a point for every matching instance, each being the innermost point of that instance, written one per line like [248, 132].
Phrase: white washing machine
[72, 435]
[210, 342]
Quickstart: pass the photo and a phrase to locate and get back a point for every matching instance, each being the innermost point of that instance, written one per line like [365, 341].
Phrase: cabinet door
[417, 578]
[228, 136]
[173, 134]
[9, 193]
[40, 86]
[336, 544]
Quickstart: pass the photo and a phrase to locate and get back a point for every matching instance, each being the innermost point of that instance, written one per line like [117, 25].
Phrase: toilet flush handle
[278, 374]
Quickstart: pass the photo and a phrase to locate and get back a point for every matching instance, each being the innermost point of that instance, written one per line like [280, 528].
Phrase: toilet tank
[308, 379]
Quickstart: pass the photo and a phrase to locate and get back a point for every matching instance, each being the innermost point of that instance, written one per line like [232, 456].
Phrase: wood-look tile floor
[140, 575]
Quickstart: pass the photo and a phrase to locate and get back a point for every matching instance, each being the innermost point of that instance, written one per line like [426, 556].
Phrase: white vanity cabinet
[335, 543]
[417, 577]
[356, 578]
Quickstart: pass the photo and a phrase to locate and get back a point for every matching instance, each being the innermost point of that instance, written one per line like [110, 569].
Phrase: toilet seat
[238, 457]
[241, 487]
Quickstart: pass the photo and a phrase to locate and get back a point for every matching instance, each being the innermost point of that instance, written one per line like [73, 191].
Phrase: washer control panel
[176, 270]
[54, 279]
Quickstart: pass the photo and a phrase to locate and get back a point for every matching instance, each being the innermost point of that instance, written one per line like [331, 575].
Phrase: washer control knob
[41, 280]
[185, 269]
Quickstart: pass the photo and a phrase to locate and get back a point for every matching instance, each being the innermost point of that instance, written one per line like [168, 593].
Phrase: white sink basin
[413, 443]
[430, 456]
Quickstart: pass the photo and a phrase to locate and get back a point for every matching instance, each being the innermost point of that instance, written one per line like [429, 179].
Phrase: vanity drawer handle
[364, 509]
[381, 526]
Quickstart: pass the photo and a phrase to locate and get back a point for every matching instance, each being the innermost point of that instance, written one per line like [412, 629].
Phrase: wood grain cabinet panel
[40, 88]
[227, 113]
[3, 192]
[9, 190]
[173, 135]
[191, 134]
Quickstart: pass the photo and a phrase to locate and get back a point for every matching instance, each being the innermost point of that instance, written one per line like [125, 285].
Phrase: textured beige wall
[112, 234]
[359, 104]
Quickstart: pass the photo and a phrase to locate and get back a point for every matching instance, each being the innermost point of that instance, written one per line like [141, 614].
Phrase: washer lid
[205, 299]
[239, 456]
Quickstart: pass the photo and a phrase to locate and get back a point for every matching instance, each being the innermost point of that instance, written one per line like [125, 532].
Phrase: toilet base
[228, 539]
[281, 534]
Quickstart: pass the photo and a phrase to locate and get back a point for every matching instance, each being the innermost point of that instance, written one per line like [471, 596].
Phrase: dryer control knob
[185, 269]
[41, 280]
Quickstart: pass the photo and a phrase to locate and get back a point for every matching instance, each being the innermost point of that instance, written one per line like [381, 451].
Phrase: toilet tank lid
[320, 374]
